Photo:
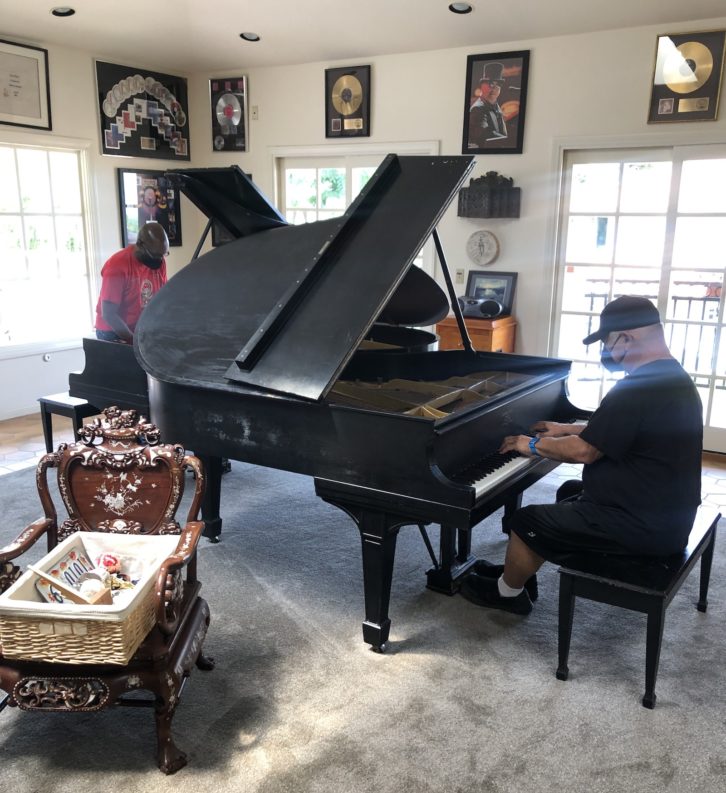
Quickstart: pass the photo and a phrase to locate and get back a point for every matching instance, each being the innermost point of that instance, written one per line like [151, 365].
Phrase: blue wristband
[533, 446]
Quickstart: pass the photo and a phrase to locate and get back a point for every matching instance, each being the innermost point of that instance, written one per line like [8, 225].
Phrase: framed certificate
[24, 86]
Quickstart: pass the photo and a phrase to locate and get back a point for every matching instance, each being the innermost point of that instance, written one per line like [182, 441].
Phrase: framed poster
[348, 102]
[145, 196]
[687, 77]
[142, 113]
[495, 102]
[24, 86]
[228, 101]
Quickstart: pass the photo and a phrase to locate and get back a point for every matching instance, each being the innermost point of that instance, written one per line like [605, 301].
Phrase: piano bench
[63, 405]
[641, 584]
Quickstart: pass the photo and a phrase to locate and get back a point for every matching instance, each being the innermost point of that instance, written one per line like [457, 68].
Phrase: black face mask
[153, 262]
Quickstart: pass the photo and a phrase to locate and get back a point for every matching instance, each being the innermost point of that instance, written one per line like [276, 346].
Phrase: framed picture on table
[495, 102]
[145, 196]
[489, 285]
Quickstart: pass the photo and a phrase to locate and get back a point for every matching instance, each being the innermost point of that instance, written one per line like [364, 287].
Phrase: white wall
[583, 91]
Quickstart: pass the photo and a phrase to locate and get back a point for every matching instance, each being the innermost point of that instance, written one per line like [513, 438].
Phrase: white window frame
[82, 147]
[334, 154]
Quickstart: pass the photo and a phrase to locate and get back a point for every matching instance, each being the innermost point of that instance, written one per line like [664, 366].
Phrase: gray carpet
[465, 699]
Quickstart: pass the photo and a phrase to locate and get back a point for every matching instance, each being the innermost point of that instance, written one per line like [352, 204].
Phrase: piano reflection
[284, 348]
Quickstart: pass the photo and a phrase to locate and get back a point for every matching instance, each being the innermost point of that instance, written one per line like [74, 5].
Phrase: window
[45, 293]
[649, 223]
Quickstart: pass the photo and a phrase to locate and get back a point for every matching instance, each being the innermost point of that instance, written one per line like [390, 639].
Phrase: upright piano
[283, 348]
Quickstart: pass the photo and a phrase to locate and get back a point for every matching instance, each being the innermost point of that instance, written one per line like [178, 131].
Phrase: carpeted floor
[464, 700]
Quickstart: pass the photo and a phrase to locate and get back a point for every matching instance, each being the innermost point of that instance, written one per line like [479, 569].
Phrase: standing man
[486, 121]
[641, 481]
[129, 279]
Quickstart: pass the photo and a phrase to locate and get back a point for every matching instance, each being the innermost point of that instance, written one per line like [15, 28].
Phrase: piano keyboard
[485, 474]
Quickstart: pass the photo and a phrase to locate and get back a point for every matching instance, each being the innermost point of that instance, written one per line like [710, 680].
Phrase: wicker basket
[73, 634]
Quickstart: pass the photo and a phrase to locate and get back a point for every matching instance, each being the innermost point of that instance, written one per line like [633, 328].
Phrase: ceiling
[188, 36]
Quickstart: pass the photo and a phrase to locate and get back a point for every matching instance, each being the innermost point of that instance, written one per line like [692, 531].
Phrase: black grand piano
[283, 348]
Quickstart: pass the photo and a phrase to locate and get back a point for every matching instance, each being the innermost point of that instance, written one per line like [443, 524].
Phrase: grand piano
[263, 350]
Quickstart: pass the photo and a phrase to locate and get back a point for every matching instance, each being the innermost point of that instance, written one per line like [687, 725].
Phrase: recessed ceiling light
[249, 36]
[461, 8]
[63, 11]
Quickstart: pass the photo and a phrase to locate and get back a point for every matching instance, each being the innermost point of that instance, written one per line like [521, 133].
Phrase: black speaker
[480, 307]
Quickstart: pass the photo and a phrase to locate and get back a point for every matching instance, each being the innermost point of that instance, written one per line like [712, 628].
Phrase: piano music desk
[487, 335]
[63, 405]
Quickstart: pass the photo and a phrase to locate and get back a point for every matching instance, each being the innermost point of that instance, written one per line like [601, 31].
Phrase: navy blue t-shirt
[649, 428]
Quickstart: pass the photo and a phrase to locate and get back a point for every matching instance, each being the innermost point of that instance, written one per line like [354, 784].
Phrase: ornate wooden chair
[118, 478]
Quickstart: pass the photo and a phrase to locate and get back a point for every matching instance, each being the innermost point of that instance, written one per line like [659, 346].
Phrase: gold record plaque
[347, 102]
[687, 77]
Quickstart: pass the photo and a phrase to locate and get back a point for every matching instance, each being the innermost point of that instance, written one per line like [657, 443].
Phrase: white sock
[507, 591]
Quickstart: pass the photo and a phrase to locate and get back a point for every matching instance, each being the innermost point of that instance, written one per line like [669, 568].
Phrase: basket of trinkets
[90, 600]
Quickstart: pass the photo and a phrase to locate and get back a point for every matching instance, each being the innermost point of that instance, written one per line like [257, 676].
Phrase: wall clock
[482, 247]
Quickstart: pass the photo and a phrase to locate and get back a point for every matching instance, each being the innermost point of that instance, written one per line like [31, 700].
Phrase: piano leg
[213, 468]
[511, 505]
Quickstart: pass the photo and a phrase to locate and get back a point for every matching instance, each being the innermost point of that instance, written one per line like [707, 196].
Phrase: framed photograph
[228, 102]
[145, 196]
[24, 86]
[687, 77]
[494, 103]
[142, 113]
[493, 286]
[348, 102]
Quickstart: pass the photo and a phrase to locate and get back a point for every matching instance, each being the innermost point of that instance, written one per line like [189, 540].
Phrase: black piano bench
[640, 584]
[63, 405]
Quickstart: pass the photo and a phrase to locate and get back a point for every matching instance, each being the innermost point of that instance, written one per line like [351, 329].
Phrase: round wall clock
[482, 247]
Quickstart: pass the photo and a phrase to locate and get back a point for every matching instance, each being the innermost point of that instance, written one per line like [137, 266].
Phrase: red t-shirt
[130, 284]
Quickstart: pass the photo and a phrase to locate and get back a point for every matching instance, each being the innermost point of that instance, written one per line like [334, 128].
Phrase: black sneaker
[488, 570]
[485, 592]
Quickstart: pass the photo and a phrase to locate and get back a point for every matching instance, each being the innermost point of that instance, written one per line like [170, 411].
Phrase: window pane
[692, 345]
[327, 215]
[594, 187]
[301, 189]
[702, 186]
[640, 281]
[34, 180]
[12, 262]
[9, 201]
[360, 177]
[699, 242]
[65, 180]
[694, 295]
[640, 240]
[40, 241]
[332, 188]
[645, 187]
[71, 246]
[585, 288]
[590, 239]
[573, 329]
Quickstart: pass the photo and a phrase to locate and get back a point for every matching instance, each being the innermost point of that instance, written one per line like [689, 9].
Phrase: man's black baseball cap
[624, 313]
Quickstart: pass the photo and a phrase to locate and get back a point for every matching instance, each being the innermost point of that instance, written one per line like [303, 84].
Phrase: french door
[649, 223]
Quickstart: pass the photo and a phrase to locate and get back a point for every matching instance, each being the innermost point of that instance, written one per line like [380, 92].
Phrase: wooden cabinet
[487, 335]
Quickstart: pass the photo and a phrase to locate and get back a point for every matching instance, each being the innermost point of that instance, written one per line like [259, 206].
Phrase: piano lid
[284, 310]
[228, 196]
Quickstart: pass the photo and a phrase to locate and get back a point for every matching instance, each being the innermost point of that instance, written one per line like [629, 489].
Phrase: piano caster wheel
[214, 540]
[380, 648]
[649, 701]
[562, 673]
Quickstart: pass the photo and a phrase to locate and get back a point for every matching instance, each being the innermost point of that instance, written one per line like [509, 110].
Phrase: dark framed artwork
[228, 103]
[348, 102]
[687, 77]
[145, 196]
[495, 102]
[142, 113]
[24, 86]
[489, 285]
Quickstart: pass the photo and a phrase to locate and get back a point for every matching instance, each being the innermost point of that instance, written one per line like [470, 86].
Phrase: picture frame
[687, 75]
[144, 196]
[228, 106]
[142, 113]
[24, 86]
[491, 285]
[494, 120]
[348, 102]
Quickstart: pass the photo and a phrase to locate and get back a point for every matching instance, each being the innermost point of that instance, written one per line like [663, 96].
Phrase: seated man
[641, 449]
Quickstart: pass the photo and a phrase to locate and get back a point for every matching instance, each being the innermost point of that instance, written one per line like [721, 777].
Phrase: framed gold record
[347, 102]
[687, 77]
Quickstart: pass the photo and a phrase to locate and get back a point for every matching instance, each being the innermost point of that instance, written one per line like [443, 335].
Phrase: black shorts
[557, 532]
